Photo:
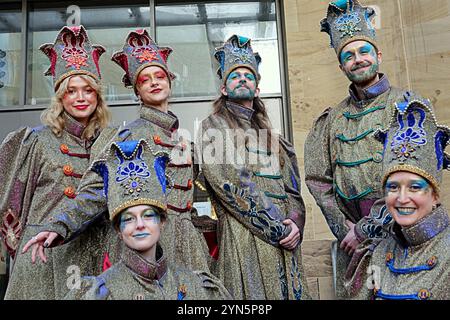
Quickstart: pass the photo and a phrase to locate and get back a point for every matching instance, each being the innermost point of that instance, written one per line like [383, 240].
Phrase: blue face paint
[391, 186]
[345, 56]
[419, 185]
[125, 219]
[241, 91]
[151, 215]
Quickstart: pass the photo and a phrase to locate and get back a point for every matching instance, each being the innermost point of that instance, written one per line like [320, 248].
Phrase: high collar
[426, 228]
[167, 121]
[72, 126]
[240, 111]
[148, 270]
[369, 93]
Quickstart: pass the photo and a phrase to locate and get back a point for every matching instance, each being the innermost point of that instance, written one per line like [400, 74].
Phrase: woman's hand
[39, 242]
[293, 239]
[350, 242]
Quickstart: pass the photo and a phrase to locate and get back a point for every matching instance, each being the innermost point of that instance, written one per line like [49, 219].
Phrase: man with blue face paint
[342, 158]
[254, 183]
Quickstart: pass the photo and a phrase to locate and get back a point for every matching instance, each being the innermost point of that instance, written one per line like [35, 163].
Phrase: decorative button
[69, 192]
[389, 257]
[64, 149]
[189, 184]
[432, 261]
[68, 170]
[189, 205]
[424, 294]
[157, 139]
[378, 157]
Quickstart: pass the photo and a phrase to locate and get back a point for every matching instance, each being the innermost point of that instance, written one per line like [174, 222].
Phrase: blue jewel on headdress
[410, 135]
[347, 24]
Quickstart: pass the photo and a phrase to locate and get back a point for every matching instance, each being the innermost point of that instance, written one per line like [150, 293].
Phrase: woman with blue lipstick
[413, 263]
[135, 183]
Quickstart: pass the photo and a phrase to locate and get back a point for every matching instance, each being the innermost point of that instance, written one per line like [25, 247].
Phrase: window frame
[286, 116]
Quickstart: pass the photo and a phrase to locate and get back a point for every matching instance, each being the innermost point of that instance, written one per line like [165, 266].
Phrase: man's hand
[39, 242]
[350, 242]
[293, 239]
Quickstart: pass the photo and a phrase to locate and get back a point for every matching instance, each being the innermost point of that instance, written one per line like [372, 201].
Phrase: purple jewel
[134, 184]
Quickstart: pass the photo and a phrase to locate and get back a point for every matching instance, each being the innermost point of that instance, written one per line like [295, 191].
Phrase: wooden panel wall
[414, 36]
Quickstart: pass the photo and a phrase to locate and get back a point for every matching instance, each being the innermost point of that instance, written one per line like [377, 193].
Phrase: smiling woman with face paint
[409, 197]
[136, 187]
[413, 262]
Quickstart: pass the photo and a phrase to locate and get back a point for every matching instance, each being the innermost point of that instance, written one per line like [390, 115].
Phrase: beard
[241, 93]
[364, 77]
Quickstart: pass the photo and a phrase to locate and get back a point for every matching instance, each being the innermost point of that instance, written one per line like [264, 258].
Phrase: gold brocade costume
[38, 172]
[251, 201]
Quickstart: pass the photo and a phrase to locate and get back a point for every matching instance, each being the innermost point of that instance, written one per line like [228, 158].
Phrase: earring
[434, 207]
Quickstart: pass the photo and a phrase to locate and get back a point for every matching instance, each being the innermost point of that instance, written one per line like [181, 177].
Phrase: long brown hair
[53, 115]
[259, 120]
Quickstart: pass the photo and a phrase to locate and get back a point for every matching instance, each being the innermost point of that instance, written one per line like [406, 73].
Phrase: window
[195, 30]
[10, 54]
[107, 24]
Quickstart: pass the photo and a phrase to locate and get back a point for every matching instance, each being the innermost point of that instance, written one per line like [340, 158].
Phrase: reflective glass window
[195, 30]
[107, 24]
[10, 54]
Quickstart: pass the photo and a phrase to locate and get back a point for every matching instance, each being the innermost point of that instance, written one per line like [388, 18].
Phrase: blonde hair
[53, 115]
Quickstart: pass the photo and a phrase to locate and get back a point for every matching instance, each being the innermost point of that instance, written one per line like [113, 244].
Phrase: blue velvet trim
[380, 294]
[128, 147]
[160, 169]
[242, 40]
[439, 147]
[390, 265]
[401, 106]
[102, 291]
[294, 182]
[101, 169]
[342, 4]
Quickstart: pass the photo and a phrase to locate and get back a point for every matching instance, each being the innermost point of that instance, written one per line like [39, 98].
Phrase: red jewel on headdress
[146, 55]
[75, 58]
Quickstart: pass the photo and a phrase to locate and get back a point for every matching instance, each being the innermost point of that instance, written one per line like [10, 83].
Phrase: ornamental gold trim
[137, 202]
[416, 170]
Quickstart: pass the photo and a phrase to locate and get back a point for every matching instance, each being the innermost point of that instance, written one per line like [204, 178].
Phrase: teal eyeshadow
[422, 184]
[366, 49]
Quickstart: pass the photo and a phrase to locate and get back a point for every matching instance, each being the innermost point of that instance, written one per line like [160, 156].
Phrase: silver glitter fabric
[39, 171]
